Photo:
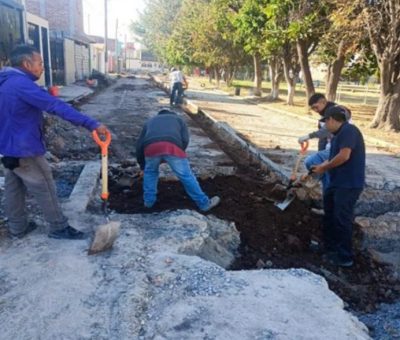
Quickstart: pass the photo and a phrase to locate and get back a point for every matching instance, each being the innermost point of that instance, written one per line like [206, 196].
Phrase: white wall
[69, 61]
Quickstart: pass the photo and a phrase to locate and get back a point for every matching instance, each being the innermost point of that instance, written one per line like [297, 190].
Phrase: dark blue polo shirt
[351, 174]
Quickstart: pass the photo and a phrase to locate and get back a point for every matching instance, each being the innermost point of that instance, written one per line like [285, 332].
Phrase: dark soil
[271, 238]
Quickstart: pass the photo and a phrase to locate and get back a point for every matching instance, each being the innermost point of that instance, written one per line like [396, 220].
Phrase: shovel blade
[104, 237]
[284, 204]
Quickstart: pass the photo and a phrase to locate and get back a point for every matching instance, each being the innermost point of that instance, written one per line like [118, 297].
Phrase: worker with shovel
[22, 146]
[178, 84]
[164, 138]
[346, 168]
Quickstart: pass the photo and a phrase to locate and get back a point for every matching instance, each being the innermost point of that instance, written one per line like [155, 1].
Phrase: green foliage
[156, 24]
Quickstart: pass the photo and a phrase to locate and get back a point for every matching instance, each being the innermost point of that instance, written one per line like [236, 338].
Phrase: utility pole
[105, 37]
[126, 66]
[116, 62]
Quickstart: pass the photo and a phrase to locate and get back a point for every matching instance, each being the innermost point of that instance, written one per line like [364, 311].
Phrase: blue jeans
[317, 159]
[339, 206]
[181, 168]
[176, 94]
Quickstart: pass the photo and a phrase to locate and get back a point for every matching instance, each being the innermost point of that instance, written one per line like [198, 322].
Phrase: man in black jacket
[165, 137]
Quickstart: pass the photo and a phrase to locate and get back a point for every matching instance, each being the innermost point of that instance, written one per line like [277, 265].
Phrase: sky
[123, 10]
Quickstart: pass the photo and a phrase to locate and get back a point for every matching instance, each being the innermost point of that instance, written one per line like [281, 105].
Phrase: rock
[302, 194]
[126, 181]
[260, 264]
[294, 242]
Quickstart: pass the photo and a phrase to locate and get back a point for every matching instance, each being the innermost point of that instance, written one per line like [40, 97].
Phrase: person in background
[346, 168]
[165, 137]
[23, 148]
[177, 83]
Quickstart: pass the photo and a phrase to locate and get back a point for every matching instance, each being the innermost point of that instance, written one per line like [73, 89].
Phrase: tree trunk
[275, 73]
[217, 75]
[229, 76]
[305, 67]
[387, 113]
[257, 75]
[290, 76]
[334, 72]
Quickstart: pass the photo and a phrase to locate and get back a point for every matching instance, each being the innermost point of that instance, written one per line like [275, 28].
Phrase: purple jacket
[21, 104]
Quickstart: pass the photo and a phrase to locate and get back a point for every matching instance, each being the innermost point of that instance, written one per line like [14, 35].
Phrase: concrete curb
[83, 190]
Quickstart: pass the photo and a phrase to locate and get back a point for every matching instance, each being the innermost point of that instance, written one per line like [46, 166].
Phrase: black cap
[337, 112]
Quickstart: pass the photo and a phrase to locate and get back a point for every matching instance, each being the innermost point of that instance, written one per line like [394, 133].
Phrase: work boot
[214, 201]
[68, 233]
[31, 227]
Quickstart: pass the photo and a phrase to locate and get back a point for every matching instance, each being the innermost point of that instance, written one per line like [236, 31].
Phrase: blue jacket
[21, 119]
[167, 126]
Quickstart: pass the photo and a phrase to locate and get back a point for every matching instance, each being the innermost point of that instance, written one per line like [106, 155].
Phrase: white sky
[123, 10]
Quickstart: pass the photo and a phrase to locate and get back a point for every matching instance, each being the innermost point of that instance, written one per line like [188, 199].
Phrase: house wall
[69, 61]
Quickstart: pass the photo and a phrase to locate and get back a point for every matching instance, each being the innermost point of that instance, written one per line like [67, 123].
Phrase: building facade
[12, 27]
[70, 52]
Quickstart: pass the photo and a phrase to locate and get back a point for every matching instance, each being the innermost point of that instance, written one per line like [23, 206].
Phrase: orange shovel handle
[103, 144]
[304, 147]
[104, 162]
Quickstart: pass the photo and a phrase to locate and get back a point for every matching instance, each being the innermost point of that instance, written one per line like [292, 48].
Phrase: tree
[308, 22]
[249, 20]
[280, 45]
[382, 19]
[156, 23]
[342, 40]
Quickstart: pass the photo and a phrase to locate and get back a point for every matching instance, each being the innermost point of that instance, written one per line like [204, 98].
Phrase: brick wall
[62, 15]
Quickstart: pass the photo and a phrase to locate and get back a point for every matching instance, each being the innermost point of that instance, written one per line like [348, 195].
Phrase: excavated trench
[270, 238]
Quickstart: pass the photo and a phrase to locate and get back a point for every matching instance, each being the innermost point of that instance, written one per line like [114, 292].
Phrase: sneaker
[214, 201]
[336, 260]
[68, 233]
[31, 227]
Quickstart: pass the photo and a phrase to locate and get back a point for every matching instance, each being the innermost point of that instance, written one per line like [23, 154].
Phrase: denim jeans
[181, 168]
[339, 206]
[316, 159]
[176, 93]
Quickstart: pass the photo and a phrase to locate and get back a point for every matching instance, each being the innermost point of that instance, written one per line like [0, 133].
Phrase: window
[10, 32]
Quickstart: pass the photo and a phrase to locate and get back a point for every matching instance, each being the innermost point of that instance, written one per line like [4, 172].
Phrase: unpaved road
[145, 288]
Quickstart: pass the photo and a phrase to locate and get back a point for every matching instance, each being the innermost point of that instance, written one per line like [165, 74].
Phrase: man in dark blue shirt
[346, 168]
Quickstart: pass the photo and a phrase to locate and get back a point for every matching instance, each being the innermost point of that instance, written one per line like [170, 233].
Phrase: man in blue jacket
[22, 146]
[165, 137]
[346, 168]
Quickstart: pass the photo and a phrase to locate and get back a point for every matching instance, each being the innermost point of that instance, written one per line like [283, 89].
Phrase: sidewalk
[276, 132]
[72, 93]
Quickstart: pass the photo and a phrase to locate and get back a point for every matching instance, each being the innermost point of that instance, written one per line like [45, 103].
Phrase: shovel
[291, 195]
[106, 234]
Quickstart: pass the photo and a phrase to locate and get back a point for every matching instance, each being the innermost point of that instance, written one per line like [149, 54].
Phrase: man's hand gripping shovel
[291, 195]
[107, 233]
